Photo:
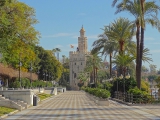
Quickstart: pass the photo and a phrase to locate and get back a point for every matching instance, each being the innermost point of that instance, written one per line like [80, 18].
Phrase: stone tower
[78, 59]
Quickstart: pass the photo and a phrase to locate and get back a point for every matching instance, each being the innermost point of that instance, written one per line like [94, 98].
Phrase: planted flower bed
[100, 96]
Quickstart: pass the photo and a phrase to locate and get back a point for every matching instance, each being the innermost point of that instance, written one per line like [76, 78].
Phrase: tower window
[75, 63]
[75, 75]
[81, 63]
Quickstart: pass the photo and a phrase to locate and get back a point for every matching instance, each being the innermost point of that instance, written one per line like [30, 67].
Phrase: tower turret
[82, 41]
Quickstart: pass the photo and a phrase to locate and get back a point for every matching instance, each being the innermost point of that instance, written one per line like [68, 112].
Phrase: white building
[78, 59]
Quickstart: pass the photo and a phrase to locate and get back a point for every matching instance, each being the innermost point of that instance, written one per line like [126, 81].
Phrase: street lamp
[31, 74]
[123, 77]
[44, 76]
[38, 79]
[20, 64]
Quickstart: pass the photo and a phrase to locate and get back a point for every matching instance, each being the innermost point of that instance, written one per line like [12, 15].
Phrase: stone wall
[23, 95]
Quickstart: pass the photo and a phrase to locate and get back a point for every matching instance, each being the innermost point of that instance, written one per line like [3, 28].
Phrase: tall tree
[18, 34]
[105, 47]
[48, 64]
[121, 30]
[54, 51]
[57, 51]
[92, 65]
[144, 12]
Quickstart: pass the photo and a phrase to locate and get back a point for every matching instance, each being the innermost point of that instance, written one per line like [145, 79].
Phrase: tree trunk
[138, 55]
[110, 65]
[94, 76]
[121, 52]
[141, 53]
[121, 43]
[141, 43]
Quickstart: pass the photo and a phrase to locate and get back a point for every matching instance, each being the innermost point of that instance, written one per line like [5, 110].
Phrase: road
[75, 105]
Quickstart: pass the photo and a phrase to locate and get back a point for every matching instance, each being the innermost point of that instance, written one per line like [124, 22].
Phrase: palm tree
[54, 51]
[123, 61]
[144, 12]
[121, 31]
[105, 47]
[63, 56]
[92, 65]
[57, 51]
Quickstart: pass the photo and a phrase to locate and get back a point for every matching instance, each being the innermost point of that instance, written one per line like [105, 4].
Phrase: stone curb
[130, 104]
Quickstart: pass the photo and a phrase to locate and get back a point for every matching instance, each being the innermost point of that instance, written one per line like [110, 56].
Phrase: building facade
[78, 59]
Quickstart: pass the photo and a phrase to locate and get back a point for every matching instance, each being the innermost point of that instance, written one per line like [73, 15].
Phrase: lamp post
[123, 77]
[46, 78]
[31, 74]
[38, 79]
[44, 74]
[20, 64]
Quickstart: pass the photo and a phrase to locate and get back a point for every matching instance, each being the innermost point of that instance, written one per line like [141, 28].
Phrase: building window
[81, 63]
[75, 75]
[75, 63]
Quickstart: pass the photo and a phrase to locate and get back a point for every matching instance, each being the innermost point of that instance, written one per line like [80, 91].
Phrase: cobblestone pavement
[75, 105]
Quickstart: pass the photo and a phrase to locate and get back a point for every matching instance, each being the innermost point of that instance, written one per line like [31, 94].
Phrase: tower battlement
[71, 53]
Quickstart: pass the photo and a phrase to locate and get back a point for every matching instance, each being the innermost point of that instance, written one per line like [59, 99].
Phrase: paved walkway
[75, 105]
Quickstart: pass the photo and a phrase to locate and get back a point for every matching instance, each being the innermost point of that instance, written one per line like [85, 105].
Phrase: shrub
[140, 96]
[101, 93]
[16, 84]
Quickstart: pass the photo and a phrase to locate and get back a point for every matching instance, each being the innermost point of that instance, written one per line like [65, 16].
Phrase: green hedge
[140, 96]
[27, 84]
[98, 92]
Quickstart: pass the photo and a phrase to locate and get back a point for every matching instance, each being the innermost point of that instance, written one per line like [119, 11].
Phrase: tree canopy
[18, 35]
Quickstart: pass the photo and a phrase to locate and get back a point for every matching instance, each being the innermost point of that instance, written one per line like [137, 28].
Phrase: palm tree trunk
[94, 76]
[121, 43]
[141, 53]
[138, 56]
[121, 52]
[110, 65]
[58, 56]
[142, 42]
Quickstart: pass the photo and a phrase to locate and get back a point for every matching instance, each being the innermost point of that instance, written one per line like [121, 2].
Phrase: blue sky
[61, 20]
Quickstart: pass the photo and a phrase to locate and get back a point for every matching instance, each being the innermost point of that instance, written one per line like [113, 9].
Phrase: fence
[137, 99]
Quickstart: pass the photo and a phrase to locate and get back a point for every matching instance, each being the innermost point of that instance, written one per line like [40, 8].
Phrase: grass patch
[5, 110]
[43, 96]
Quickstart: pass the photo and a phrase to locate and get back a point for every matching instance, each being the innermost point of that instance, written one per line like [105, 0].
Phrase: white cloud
[145, 38]
[88, 36]
[156, 43]
[59, 35]
[75, 36]
[92, 36]
[58, 46]
[148, 38]
[155, 51]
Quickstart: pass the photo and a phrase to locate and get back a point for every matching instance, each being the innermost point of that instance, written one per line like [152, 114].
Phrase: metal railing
[137, 99]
